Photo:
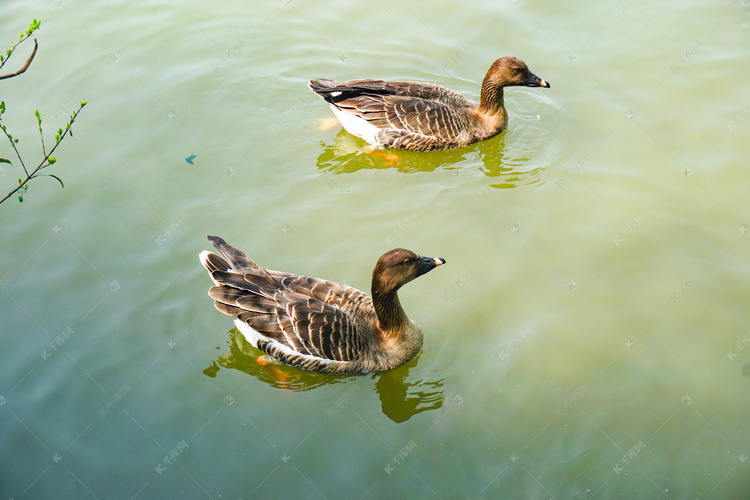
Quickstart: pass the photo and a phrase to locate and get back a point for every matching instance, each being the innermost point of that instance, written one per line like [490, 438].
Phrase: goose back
[405, 115]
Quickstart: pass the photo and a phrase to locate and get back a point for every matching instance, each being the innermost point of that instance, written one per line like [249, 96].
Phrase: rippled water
[588, 337]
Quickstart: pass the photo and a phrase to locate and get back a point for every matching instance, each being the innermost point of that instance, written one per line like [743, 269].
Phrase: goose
[315, 324]
[423, 116]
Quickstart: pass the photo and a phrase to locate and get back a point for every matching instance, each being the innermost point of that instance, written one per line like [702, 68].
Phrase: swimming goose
[423, 116]
[315, 324]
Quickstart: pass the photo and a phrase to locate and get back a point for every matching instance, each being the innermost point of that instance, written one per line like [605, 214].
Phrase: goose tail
[231, 260]
[322, 86]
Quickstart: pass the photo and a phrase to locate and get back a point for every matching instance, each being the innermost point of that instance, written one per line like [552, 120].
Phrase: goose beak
[535, 81]
[427, 264]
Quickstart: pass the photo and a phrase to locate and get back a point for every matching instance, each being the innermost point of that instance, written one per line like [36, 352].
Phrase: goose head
[506, 72]
[398, 267]
[511, 71]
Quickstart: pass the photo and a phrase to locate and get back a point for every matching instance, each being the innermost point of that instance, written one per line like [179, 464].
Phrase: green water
[588, 337]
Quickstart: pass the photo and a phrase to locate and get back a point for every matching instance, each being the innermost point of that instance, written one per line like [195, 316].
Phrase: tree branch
[25, 66]
[48, 158]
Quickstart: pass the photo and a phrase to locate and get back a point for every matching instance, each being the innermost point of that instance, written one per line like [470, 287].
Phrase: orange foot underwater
[391, 159]
[280, 376]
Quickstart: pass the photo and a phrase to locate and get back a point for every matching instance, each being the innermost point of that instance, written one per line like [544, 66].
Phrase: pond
[587, 338]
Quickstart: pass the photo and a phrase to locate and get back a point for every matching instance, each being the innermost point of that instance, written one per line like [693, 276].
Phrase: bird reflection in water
[399, 399]
[505, 167]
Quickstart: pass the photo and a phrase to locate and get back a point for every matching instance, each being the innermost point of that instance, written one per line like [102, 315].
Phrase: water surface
[587, 339]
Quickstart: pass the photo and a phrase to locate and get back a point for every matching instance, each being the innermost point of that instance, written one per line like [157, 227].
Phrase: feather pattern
[423, 116]
[316, 324]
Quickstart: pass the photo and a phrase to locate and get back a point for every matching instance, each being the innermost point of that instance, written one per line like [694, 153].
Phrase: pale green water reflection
[400, 397]
[346, 156]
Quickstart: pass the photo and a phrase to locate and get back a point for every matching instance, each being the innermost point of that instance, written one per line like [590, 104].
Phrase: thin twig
[32, 28]
[41, 133]
[13, 143]
[45, 162]
[25, 66]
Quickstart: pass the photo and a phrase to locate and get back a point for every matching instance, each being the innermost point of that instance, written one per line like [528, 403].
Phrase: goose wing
[410, 114]
[310, 316]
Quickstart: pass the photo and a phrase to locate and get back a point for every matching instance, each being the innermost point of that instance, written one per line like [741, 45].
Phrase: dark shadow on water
[505, 167]
[400, 399]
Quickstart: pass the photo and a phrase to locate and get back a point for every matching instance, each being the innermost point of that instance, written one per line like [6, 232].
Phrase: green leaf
[58, 179]
[51, 160]
[5, 160]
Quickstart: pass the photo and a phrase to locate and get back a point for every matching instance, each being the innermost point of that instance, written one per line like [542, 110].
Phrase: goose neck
[492, 98]
[389, 311]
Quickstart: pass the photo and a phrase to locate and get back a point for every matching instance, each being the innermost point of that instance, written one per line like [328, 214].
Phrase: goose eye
[407, 262]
